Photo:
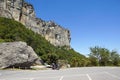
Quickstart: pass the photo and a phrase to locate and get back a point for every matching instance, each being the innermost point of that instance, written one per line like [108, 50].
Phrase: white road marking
[88, 77]
[61, 78]
[0, 74]
[112, 75]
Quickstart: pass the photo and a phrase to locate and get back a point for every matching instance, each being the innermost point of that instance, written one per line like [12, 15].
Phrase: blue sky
[91, 22]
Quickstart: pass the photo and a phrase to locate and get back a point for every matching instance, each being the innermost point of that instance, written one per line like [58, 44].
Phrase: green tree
[115, 58]
[99, 56]
[104, 57]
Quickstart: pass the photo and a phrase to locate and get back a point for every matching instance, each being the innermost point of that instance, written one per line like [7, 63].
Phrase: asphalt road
[83, 73]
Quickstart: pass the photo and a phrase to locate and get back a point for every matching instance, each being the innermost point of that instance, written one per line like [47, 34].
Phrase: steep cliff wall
[24, 13]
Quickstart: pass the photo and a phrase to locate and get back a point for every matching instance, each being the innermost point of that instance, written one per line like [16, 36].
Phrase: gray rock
[17, 54]
[24, 13]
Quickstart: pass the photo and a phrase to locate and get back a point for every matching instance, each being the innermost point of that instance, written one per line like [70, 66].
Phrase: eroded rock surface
[24, 13]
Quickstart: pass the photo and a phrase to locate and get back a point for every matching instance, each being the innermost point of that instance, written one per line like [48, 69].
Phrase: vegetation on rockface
[11, 30]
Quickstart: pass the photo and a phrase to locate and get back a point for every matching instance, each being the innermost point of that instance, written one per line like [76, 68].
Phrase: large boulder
[17, 54]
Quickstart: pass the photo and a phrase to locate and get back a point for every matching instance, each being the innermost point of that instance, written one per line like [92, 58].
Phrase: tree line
[104, 57]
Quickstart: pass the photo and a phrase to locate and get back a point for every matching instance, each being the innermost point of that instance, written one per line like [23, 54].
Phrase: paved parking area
[82, 73]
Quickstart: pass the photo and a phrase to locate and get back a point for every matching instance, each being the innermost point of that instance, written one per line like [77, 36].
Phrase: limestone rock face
[24, 13]
[17, 54]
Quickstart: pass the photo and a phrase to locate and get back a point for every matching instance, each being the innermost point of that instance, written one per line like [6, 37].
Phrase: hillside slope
[11, 31]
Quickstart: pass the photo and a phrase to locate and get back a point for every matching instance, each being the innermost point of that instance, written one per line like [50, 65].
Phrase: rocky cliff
[24, 13]
[17, 54]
